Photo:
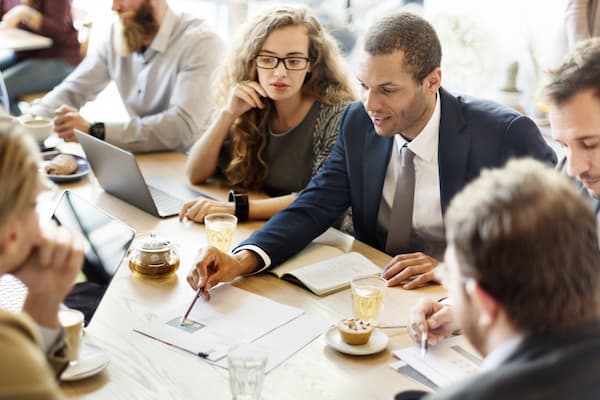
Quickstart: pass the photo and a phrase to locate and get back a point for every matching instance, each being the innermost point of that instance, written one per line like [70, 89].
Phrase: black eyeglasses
[290, 63]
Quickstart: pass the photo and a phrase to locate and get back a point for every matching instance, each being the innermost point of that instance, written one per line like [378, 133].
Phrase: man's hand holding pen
[212, 266]
[430, 322]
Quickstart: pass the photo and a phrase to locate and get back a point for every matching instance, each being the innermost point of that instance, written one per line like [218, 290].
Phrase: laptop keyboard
[166, 204]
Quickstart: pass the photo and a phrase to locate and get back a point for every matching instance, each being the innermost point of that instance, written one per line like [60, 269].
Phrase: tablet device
[107, 240]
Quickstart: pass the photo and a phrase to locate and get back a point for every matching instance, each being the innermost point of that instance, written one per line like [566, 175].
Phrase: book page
[334, 273]
[311, 254]
[449, 361]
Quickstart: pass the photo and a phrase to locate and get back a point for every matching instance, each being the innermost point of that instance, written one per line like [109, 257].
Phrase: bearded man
[160, 62]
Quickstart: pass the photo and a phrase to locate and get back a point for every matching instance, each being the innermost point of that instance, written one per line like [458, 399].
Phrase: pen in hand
[424, 337]
[185, 316]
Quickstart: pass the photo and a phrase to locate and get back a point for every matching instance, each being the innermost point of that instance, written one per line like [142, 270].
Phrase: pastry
[355, 331]
[62, 164]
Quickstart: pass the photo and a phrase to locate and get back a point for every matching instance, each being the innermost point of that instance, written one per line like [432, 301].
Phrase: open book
[324, 269]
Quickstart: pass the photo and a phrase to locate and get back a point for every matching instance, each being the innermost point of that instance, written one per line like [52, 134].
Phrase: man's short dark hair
[411, 34]
[579, 71]
[529, 239]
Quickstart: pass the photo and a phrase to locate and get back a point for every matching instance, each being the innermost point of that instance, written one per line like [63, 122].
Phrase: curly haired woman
[279, 97]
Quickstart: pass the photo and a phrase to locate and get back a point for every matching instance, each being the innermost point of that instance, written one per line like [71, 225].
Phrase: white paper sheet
[447, 362]
[284, 342]
[232, 316]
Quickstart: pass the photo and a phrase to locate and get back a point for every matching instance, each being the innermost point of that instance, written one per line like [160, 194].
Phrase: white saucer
[377, 342]
[92, 359]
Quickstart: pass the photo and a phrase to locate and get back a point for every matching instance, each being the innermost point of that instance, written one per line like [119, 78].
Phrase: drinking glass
[247, 364]
[219, 230]
[367, 297]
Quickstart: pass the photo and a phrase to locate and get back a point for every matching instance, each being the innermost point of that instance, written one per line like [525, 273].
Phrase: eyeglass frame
[284, 59]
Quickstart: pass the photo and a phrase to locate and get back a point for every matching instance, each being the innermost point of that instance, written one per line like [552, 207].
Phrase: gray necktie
[400, 223]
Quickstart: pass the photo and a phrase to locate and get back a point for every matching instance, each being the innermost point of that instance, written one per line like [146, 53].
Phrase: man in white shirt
[162, 64]
[401, 155]
[522, 269]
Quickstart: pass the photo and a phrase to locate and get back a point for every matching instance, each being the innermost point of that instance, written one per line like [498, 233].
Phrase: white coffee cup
[38, 127]
[72, 322]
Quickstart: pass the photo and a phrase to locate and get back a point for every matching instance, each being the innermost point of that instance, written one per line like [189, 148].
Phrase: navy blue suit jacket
[474, 134]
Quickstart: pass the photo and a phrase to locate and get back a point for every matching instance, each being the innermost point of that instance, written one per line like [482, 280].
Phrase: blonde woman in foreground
[279, 95]
[46, 260]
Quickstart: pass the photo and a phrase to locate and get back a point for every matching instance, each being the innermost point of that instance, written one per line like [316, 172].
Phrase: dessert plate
[83, 168]
[377, 342]
[92, 359]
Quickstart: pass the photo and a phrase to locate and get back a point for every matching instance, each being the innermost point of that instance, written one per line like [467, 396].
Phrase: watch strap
[242, 208]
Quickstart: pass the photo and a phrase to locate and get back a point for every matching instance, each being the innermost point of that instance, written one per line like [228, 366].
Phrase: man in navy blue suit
[403, 106]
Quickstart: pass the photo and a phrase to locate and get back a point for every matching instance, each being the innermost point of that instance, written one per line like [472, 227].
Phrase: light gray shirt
[290, 156]
[165, 89]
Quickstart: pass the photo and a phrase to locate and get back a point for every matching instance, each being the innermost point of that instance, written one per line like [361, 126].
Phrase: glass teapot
[153, 256]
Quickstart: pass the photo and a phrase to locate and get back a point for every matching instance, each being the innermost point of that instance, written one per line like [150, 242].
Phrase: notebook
[324, 269]
[107, 240]
[118, 173]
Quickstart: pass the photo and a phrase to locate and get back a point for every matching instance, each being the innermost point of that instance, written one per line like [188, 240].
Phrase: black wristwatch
[98, 130]
[241, 204]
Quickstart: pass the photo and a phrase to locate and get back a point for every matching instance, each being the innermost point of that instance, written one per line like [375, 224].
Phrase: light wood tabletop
[19, 39]
[141, 368]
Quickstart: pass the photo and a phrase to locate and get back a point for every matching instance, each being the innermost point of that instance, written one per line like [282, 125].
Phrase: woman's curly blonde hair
[328, 82]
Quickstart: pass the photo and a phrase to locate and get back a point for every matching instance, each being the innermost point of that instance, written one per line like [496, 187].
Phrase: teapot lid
[153, 243]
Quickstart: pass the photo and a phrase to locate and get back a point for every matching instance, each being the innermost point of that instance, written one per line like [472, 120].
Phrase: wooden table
[19, 39]
[141, 368]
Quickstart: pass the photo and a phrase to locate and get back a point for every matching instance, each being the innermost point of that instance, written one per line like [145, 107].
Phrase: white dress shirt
[165, 89]
[427, 209]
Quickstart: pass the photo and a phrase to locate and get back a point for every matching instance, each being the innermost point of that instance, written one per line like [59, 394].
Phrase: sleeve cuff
[258, 251]
[113, 133]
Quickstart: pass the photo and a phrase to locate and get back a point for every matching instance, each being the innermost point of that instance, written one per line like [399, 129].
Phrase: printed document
[231, 317]
[445, 363]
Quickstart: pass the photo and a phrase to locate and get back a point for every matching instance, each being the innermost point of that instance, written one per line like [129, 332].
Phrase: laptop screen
[106, 242]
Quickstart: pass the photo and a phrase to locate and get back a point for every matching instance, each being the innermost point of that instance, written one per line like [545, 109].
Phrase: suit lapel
[376, 155]
[453, 148]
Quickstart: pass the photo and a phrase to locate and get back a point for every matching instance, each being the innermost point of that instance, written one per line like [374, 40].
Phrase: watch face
[97, 130]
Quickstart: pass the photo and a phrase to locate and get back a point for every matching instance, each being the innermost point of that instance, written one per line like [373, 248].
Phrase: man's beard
[136, 29]
[468, 319]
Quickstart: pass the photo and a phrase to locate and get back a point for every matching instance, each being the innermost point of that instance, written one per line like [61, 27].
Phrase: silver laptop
[118, 173]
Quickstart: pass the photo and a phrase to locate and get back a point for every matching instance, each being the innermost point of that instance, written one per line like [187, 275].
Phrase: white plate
[92, 359]
[377, 342]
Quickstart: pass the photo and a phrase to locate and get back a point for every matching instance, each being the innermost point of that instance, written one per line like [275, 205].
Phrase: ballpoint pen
[185, 316]
[424, 337]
